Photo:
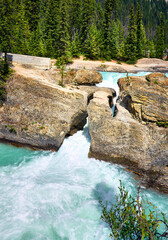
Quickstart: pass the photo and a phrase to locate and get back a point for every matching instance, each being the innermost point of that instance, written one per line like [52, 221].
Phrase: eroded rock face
[41, 114]
[146, 99]
[124, 140]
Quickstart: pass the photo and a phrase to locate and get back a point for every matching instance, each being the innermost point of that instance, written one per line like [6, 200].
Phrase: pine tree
[88, 17]
[63, 43]
[113, 40]
[93, 43]
[76, 16]
[36, 44]
[75, 46]
[160, 47]
[21, 31]
[131, 40]
[141, 38]
[32, 10]
[6, 26]
[110, 13]
[50, 27]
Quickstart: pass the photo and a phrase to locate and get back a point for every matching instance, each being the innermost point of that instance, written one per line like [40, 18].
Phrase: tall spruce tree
[110, 13]
[110, 9]
[114, 41]
[63, 44]
[21, 32]
[75, 48]
[141, 38]
[131, 40]
[76, 17]
[93, 43]
[50, 28]
[32, 11]
[88, 16]
[160, 46]
[6, 26]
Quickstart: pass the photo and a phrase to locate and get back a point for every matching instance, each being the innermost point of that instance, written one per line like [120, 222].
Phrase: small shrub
[118, 62]
[103, 66]
[24, 129]
[131, 61]
[155, 82]
[12, 129]
[61, 65]
[41, 127]
[129, 220]
[162, 124]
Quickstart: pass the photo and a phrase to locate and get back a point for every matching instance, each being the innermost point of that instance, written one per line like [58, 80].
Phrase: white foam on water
[54, 195]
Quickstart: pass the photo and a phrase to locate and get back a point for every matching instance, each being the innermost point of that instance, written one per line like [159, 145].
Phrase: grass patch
[162, 124]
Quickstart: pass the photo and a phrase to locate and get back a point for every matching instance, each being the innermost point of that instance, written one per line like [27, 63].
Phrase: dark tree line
[121, 29]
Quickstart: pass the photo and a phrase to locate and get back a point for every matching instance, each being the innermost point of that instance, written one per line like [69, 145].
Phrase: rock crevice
[140, 146]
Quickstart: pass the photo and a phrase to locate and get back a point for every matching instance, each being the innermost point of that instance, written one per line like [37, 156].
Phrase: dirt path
[145, 64]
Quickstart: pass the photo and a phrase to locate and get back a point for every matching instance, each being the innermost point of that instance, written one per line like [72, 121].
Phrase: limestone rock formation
[85, 77]
[158, 78]
[140, 146]
[146, 97]
[40, 114]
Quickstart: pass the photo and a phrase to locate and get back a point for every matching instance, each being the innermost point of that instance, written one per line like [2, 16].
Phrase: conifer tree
[114, 39]
[32, 10]
[21, 30]
[63, 44]
[110, 13]
[93, 43]
[75, 46]
[160, 47]
[36, 44]
[110, 8]
[50, 28]
[6, 26]
[76, 16]
[131, 40]
[88, 16]
[141, 38]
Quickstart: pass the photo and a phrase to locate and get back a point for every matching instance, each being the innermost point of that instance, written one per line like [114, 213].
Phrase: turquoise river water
[54, 195]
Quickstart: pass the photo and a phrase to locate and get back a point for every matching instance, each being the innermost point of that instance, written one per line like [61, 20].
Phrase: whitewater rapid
[54, 195]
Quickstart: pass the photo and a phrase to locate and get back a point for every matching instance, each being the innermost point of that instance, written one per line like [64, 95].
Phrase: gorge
[52, 195]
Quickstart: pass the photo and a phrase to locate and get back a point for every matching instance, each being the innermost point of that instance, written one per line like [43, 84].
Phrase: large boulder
[145, 99]
[158, 78]
[87, 77]
[76, 77]
[41, 114]
[124, 140]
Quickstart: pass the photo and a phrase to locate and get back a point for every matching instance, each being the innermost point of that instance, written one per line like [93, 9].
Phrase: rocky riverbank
[40, 113]
[133, 138]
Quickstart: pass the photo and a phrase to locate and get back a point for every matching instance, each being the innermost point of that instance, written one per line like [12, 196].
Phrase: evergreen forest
[107, 29]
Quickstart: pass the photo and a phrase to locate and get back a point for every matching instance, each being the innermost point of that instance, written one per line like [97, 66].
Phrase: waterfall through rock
[54, 195]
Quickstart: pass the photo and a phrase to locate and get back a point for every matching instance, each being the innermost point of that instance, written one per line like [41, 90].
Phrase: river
[54, 195]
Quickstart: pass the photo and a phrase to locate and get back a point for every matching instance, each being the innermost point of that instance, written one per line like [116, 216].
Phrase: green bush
[162, 124]
[4, 68]
[129, 219]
